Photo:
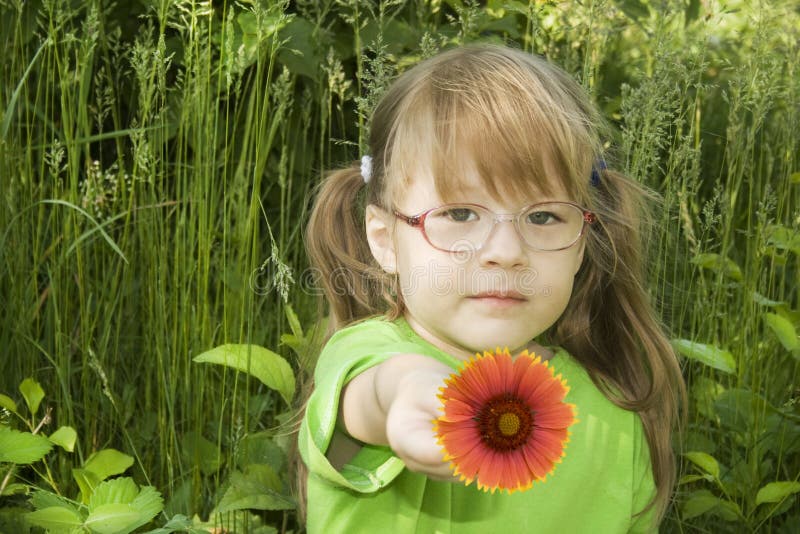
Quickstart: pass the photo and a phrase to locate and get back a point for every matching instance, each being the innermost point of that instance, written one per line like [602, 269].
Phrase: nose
[503, 247]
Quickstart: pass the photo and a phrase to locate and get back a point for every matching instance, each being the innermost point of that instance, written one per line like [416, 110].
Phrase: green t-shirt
[604, 479]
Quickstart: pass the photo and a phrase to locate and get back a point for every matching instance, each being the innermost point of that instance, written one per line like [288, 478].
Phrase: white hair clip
[366, 168]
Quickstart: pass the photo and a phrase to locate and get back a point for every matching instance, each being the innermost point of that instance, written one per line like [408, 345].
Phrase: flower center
[505, 422]
[508, 424]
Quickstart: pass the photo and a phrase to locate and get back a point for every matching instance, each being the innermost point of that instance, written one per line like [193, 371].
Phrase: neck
[464, 354]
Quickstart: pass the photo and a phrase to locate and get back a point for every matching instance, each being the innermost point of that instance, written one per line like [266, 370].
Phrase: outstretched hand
[409, 422]
[395, 403]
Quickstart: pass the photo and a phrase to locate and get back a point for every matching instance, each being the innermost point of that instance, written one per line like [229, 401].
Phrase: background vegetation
[156, 161]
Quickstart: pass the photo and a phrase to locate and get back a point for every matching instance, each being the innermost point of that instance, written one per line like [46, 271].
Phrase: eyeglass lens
[547, 226]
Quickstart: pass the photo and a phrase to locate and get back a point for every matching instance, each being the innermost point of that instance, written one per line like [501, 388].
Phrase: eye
[460, 214]
[542, 217]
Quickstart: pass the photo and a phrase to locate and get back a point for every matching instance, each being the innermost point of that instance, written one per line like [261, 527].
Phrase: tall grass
[157, 162]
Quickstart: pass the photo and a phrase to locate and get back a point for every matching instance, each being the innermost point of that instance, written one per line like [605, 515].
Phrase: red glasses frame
[418, 221]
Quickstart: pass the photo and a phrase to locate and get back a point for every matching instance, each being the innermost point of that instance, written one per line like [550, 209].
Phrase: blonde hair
[524, 124]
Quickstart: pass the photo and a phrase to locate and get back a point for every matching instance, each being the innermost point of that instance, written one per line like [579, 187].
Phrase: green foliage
[270, 368]
[157, 159]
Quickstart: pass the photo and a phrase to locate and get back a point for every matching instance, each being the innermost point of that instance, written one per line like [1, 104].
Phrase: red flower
[505, 421]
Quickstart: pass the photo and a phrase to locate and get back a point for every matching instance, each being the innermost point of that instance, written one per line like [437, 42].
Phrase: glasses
[546, 226]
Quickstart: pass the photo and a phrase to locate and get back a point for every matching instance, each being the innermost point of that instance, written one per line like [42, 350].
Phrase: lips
[510, 295]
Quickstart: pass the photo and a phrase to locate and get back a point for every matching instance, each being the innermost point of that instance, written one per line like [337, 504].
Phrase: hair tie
[366, 168]
[597, 168]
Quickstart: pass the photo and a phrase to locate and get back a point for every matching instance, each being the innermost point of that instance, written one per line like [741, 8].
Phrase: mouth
[500, 296]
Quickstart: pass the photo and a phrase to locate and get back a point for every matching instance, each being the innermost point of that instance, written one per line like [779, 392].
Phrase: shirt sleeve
[644, 488]
[348, 353]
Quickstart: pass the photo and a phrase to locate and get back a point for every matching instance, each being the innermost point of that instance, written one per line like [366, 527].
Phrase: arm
[394, 404]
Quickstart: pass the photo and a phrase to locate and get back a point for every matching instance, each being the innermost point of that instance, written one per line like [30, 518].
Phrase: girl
[507, 143]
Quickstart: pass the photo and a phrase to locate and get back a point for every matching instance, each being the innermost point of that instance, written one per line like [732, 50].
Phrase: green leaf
[87, 482]
[148, 503]
[22, 447]
[268, 367]
[294, 322]
[64, 437]
[738, 409]
[727, 510]
[795, 178]
[118, 505]
[758, 298]
[44, 499]
[201, 452]
[260, 448]
[116, 491]
[33, 394]
[698, 504]
[258, 489]
[704, 461]
[783, 238]
[108, 462]
[55, 518]
[113, 519]
[784, 330]
[8, 403]
[706, 354]
[14, 489]
[686, 479]
[298, 52]
[776, 491]
[718, 263]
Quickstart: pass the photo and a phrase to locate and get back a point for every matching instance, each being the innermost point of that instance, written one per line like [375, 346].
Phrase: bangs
[523, 132]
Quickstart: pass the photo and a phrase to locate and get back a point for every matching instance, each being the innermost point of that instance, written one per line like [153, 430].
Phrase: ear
[380, 238]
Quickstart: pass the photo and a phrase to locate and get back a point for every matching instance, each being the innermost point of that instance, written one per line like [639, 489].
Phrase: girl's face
[501, 295]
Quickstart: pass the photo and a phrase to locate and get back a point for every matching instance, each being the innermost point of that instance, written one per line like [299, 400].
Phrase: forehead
[423, 191]
[507, 127]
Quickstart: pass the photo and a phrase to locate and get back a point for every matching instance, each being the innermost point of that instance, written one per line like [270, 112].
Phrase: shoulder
[366, 335]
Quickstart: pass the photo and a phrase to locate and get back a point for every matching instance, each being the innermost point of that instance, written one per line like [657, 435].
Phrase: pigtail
[610, 323]
[354, 285]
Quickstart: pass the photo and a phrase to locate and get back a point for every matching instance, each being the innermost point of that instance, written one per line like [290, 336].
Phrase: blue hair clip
[597, 168]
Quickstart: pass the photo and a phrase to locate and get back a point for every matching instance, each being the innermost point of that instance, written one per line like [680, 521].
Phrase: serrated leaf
[704, 461]
[64, 437]
[22, 447]
[784, 330]
[148, 503]
[777, 491]
[270, 368]
[33, 394]
[115, 491]
[706, 354]
[87, 482]
[108, 462]
[8, 403]
[114, 518]
[55, 518]
[718, 263]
